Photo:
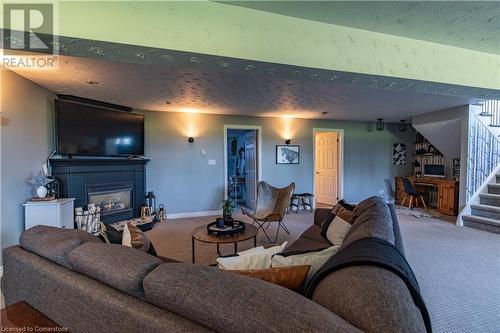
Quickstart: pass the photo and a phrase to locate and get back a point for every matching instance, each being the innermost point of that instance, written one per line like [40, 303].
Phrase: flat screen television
[434, 170]
[84, 129]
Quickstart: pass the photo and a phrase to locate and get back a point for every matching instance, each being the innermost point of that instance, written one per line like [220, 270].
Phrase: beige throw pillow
[256, 258]
[337, 230]
[314, 259]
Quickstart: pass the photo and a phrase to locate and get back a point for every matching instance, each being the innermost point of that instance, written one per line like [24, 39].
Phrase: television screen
[434, 170]
[83, 129]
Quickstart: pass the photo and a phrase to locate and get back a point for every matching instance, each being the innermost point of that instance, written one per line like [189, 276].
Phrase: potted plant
[227, 211]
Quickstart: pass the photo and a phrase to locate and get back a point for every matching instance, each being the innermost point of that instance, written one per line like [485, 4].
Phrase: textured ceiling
[171, 88]
[467, 24]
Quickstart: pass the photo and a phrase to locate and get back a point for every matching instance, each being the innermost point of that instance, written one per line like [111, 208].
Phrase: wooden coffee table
[201, 234]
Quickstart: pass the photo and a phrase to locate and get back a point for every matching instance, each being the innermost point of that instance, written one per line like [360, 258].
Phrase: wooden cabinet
[444, 191]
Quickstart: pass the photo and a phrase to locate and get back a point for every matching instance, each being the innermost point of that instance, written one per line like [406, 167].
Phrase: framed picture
[399, 154]
[287, 154]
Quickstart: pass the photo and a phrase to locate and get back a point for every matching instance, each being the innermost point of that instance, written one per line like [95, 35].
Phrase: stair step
[489, 199]
[494, 188]
[482, 223]
[491, 212]
[485, 114]
[498, 178]
[494, 125]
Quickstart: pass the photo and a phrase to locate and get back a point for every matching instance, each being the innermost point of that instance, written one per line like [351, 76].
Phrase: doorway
[242, 164]
[328, 170]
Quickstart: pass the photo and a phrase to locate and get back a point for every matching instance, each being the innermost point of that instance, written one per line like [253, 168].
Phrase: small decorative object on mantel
[287, 154]
[227, 211]
[89, 219]
[145, 213]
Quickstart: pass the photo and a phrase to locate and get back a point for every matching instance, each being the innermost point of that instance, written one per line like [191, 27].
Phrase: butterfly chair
[271, 205]
[410, 190]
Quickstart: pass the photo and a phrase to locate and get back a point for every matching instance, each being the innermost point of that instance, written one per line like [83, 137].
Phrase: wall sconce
[379, 125]
[190, 139]
[288, 141]
[403, 126]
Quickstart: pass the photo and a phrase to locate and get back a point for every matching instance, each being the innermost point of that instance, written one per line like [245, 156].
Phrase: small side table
[57, 213]
[201, 234]
[21, 317]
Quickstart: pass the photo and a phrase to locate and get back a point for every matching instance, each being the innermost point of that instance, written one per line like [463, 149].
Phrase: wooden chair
[409, 190]
[271, 205]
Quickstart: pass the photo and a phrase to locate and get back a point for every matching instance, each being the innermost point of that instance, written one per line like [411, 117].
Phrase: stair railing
[491, 108]
[483, 155]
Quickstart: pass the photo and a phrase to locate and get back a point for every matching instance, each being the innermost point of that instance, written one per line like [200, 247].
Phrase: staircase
[489, 115]
[486, 214]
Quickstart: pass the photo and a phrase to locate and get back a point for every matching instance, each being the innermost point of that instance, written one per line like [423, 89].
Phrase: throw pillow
[108, 234]
[337, 230]
[346, 205]
[314, 259]
[256, 258]
[337, 210]
[291, 277]
[135, 237]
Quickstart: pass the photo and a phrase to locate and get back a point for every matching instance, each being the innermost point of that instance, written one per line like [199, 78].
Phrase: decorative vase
[41, 191]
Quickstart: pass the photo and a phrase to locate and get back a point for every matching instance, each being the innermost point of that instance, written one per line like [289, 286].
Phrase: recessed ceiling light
[324, 113]
[92, 82]
[168, 102]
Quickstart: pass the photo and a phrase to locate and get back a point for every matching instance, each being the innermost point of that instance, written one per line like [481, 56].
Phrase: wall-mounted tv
[92, 130]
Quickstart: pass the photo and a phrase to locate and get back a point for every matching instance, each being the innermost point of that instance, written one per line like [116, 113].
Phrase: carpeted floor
[458, 268]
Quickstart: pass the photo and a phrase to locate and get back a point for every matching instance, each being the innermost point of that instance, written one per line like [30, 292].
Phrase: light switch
[211, 162]
[203, 152]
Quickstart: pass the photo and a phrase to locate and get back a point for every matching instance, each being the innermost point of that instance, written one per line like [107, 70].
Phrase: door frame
[340, 159]
[259, 151]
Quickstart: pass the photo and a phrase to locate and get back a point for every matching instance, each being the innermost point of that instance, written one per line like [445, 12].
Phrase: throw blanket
[374, 252]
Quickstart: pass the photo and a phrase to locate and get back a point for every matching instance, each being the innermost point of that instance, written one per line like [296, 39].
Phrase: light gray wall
[26, 141]
[183, 180]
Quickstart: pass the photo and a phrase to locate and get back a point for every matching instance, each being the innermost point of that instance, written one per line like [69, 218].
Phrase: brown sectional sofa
[89, 286]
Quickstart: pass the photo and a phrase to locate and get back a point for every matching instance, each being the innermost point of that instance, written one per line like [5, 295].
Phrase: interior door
[251, 169]
[326, 173]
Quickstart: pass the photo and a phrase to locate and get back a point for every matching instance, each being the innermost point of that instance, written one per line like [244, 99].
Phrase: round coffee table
[201, 234]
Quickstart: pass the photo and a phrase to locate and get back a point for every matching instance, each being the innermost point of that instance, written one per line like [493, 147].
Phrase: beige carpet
[458, 268]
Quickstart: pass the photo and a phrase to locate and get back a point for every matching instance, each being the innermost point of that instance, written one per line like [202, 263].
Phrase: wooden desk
[21, 317]
[447, 192]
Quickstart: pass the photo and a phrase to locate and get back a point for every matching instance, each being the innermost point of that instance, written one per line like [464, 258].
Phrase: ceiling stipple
[163, 87]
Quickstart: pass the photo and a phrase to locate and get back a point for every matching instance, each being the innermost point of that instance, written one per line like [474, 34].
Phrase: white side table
[57, 213]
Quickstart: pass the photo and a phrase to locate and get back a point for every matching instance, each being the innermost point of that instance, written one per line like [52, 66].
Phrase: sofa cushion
[314, 233]
[290, 277]
[231, 303]
[54, 243]
[372, 218]
[371, 298]
[305, 244]
[118, 266]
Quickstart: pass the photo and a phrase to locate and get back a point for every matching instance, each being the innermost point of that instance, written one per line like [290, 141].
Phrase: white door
[251, 169]
[326, 165]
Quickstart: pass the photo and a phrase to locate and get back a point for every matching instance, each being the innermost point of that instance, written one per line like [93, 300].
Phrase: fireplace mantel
[78, 177]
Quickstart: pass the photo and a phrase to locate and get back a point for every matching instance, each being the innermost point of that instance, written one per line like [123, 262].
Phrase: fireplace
[112, 201]
[117, 185]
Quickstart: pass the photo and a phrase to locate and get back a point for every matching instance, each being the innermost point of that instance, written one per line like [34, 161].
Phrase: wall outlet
[203, 152]
[211, 162]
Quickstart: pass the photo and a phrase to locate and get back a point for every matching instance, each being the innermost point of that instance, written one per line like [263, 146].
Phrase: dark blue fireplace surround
[79, 177]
